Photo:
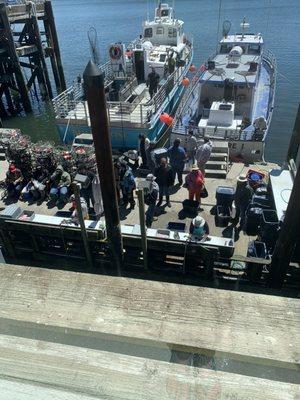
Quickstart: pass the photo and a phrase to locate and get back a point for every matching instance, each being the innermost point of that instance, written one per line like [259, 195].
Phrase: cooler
[225, 195]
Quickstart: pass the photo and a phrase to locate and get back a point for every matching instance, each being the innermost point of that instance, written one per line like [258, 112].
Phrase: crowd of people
[46, 178]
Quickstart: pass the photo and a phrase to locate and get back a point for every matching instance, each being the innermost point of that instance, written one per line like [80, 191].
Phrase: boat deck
[174, 214]
[119, 112]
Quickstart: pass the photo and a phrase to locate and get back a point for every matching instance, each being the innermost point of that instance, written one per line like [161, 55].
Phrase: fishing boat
[133, 108]
[231, 98]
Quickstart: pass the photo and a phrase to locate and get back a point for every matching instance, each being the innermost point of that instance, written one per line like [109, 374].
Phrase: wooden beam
[251, 328]
[295, 139]
[289, 236]
[117, 376]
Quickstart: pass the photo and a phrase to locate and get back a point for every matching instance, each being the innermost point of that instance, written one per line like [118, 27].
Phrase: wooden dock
[24, 48]
[76, 335]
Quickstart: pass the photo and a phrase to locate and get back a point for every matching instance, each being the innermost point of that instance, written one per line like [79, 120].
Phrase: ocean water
[121, 20]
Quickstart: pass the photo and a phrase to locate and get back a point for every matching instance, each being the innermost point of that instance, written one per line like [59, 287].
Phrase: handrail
[68, 101]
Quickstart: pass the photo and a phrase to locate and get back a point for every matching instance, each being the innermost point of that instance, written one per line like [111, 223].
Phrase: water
[115, 20]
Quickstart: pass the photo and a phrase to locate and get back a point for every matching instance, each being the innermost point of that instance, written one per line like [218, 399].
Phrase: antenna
[244, 25]
[219, 16]
[226, 28]
[94, 48]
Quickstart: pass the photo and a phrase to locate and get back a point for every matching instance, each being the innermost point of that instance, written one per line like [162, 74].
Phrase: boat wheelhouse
[231, 98]
[163, 47]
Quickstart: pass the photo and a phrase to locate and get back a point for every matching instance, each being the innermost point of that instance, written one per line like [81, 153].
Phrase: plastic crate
[262, 200]
[256, 249]
[222, 216]
[253, 219]
[269, 228]
[225, 195]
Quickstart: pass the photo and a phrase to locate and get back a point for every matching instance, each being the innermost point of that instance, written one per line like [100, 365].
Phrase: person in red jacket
[195, 183]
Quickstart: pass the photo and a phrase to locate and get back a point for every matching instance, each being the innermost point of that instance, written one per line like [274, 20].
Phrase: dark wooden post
[295, 139]
[288, 237]
[14, 58]
[85, 240]
[42, 61]
[50, 20]
[94, 92]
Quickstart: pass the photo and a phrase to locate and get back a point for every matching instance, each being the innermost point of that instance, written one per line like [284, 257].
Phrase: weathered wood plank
[251, 327]
[114, 376]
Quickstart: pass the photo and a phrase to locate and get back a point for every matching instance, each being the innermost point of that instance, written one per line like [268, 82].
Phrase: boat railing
[68, 104]
[69, 99]
[159, 98]
[270, 59]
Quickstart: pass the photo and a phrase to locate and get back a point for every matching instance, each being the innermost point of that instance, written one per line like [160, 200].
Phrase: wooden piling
[51, 28]
[295, 139]
[94, 91]
[41, 55]
[288, 237]
[14, 58]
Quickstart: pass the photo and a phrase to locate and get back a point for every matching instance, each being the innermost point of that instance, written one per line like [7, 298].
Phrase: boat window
[164, 13]
[172, 32]
[225, 48]
[148, 32]
[160, 31]
[254, 48]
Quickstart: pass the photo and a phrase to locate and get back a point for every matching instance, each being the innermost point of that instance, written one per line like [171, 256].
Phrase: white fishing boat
[231, 98]
[133, 107]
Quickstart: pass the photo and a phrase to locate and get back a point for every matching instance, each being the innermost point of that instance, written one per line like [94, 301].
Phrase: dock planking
[252, 328]
[72, 373]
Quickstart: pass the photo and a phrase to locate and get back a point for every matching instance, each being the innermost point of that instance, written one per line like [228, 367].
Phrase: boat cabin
[232, 74]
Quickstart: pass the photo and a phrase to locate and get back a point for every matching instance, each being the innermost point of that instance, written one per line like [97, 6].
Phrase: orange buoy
[166, 119]
[192, 68]
[185, 81]
[170, 121]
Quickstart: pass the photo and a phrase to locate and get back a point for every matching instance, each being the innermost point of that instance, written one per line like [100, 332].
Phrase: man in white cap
[203, 154]
[150, 199]
[242, 198]
[199, 227]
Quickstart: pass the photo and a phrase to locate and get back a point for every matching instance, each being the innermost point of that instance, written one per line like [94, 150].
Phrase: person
[84, 208]
[151, 164]
[86, 191]
[245, 122]
[150, 199]
[195, 183]
[14, 181]
[243, 197]
[190, 145]
[128, 186]
[143, 146]
[164, 179]
[171, 63]
[203, 154]
[152, 82]
[199, 227]
[37, 185]
[177, 157]
[60, 182]
[260, 126]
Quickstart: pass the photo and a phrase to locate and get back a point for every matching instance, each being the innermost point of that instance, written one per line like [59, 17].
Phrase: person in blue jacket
[177, 158]
[128, 186]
